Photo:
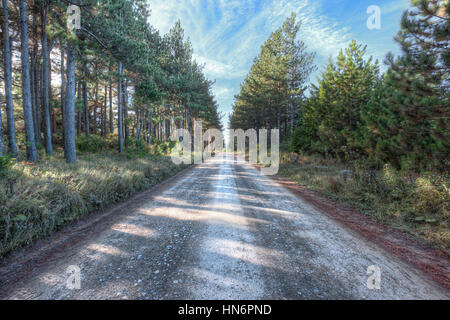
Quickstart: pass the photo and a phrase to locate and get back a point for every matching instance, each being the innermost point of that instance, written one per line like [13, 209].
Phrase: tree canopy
[117, 59]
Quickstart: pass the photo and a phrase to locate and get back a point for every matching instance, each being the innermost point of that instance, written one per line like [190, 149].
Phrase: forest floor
[219, 230]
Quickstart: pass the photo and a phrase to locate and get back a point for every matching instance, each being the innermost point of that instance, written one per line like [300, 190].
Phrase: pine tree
[305, 136]
[300, 66]
[69, 108]
[273, 91]
[112, 34]
[45, 78]
[11, 130]
[343, 92]
[26, 88]
[409, 116]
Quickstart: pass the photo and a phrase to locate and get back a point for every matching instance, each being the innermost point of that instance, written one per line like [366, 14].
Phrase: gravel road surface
[219, 231]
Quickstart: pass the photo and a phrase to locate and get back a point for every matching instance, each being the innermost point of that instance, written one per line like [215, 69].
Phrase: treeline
[114, 75]
[272, 92]
[356, 113]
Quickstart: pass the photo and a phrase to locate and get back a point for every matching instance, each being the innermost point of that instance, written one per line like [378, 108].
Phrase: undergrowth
[416, 203]
[38, 199]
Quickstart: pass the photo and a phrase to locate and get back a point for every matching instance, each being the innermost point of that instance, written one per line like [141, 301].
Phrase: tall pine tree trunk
[50, 96]
[26, 90]
[78, 110]
[119, 113]
[69, 108]
[86, 109]
[63, 83]
[105, 106]
[292, 118]
[189, 121]
[125, 111]
[37, 87]
[167, 128]
[35, 79]
[1, 136]
[149, 127]
[45, 80]
[34, 101]
[111, 116]
[138, 124]
[95, 107]
[11, 129]
[160, 131]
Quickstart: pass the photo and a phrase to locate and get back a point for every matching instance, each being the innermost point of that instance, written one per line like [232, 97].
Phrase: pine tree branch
[427, 10]
[76, 4]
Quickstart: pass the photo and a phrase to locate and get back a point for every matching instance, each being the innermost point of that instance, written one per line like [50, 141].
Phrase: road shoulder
[29, 261]
[433, 262]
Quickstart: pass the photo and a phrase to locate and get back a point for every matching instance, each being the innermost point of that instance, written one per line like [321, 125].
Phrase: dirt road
[219, 231]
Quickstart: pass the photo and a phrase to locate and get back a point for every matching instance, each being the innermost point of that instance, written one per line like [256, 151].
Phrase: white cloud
[216, 69]
[222, 91]
[227, 34]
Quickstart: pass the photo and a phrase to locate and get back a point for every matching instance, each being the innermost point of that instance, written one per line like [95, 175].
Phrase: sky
[226, 35]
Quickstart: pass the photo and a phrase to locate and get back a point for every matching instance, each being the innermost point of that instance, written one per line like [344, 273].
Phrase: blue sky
[227, 34]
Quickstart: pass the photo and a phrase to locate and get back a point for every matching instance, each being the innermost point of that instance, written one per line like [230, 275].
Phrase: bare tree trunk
[45, 80]
[26, 93]
[105, 105]
[119, 113]
[33, 85]
[141, 123]
[70, 151]
[285, 126]
[79, 120]
[160, 134]
[149, 127]
[1, 141]
[111, 116]
[105, 111]
[50, 96]
[86, 109]
[1, 134]
[95, 107]
[138, 126]
[125, 111]
[35, 82]
[278, 121]
[167, 128]
[38, 86]
[11, 129]
[189, 123]
[63, 84]
[292, 118]
[278, 118]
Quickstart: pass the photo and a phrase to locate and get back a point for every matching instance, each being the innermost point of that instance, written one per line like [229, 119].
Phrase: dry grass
[36, 200]
[419, 204]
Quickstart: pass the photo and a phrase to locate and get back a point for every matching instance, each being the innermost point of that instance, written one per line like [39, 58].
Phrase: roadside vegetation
[378, 141]
[37, 199]
[416, 203]
[86, 114]
[116, 74]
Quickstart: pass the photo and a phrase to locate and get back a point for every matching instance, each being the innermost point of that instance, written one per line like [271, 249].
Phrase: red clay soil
[433, 262]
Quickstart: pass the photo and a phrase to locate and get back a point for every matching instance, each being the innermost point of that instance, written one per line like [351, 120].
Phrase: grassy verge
[36, 200]
[418, 204]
